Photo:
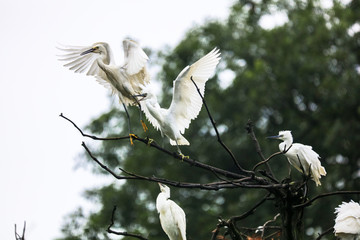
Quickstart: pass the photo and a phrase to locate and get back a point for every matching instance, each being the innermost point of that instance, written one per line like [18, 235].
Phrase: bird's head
[99, 47]
[164, 189]
[283, 135]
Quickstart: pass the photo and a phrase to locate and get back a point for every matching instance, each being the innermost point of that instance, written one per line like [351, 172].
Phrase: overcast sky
[38, 179]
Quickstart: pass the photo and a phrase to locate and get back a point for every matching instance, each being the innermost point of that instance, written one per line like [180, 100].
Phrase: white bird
[172, 217]
[186, 102]
[126, 81]
[301, 156]
[347, 222]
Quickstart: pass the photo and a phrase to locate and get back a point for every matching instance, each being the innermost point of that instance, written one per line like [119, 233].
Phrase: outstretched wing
[86, 63]
[186, 102]
[135, 58]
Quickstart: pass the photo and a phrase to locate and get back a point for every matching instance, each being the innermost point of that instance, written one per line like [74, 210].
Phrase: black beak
[87, 51]
[274, 137]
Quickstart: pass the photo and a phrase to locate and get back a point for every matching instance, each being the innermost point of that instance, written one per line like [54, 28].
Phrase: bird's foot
[144, 125]
[183, 156]
[131, 135]
[149, 141]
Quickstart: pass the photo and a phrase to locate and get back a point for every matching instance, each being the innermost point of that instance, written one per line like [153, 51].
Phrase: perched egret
[186, 102]
[126, 81]
[302, 157]
[172, 217]
[347, 222]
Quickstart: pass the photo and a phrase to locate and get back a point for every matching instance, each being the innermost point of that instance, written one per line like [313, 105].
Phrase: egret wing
[179, 217]
[186, 102]
[135, 58]
[86, 63]
[149, 116]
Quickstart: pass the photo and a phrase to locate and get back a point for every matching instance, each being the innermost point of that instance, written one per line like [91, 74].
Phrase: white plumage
[186, 102]
[126, 80]
[172, 217]
[301, 156]
[347, 222]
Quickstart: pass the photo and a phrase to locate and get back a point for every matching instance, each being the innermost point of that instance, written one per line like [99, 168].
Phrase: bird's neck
[161, 202]
[286, 144]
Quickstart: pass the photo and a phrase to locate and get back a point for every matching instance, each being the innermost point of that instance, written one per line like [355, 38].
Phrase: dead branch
[22, 237]
[109, 230]
[217, 133]
[308, 203]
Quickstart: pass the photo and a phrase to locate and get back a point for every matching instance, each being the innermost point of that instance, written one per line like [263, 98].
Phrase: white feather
[347, 222]
[186, 102]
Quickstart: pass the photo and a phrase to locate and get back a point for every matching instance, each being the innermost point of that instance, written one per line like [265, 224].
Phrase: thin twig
[330, 230]
[308, 203]
[250, 130]
[266, 160]
[251, 210]
[217, 133]
[92, 136]
[109, 230]
[17, 236]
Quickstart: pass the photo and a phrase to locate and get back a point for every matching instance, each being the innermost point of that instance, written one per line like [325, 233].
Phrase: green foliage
[301, 76]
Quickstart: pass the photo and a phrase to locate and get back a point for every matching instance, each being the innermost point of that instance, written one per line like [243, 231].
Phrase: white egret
[186, 102]
[126, 81]
[302, 157]
[172, 217]
[347, 222]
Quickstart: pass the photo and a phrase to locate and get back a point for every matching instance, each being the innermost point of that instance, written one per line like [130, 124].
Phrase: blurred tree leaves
[302, 76]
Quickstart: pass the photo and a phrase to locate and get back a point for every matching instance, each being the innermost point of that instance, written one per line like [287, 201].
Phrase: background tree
[301, 76]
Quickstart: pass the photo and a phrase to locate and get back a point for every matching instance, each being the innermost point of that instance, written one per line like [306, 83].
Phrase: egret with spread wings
[126, 80]
[302, 157]
[172, 217]
[186, 101]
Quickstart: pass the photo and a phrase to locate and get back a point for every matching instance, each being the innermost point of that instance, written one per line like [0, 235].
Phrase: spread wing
[186, 102]
[86, 63]
[135, 58]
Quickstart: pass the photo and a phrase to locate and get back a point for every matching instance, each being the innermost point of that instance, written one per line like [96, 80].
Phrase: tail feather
[180, 141]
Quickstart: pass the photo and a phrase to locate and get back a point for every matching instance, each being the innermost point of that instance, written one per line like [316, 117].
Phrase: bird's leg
[139, 105]
[129, 125]
[179, 151]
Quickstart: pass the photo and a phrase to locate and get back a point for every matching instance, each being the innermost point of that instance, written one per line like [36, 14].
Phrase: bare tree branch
[109, 230]
[308, 203]
[218, 135]
[17, 236]
[246, 182]
[330, 230]
[250, 130]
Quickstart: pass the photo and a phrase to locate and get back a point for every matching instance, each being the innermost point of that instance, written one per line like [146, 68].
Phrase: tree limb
[109, 230]
[308, 203]
[218, 135]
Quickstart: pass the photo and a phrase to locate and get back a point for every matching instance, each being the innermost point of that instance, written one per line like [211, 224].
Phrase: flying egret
[186, 102]
[301, 156]
[347, 222]
[172, 217]
[126, 81]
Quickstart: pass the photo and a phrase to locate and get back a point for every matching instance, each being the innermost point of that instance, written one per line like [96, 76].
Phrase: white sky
[38, 181]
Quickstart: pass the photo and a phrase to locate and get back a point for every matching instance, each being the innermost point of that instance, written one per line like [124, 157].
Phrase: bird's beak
[274, 137]
[87, 51]
[161, 185]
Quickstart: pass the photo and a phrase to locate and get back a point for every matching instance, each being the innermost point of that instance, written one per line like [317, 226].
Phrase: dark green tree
[302, 76]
